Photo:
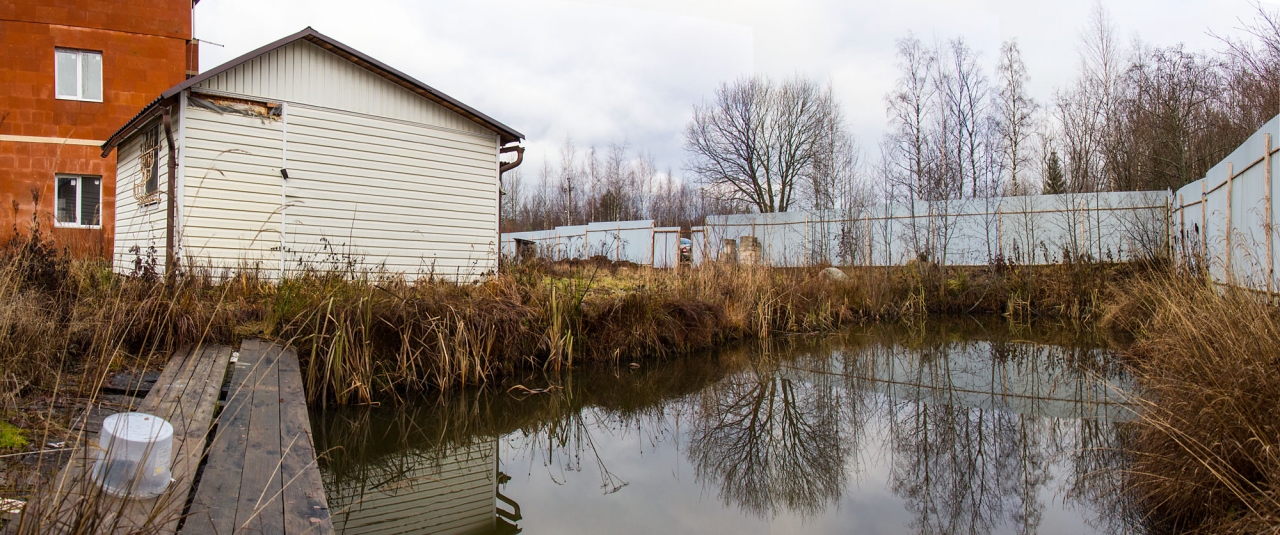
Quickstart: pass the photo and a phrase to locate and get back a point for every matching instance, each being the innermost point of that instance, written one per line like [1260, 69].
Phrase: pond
[964, 427]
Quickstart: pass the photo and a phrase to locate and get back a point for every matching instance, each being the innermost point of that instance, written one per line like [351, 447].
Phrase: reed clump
[1206, 446]
[365, 336]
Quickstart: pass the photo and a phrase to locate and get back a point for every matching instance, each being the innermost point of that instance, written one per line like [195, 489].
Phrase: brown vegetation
[1206, 449]
[368, 336]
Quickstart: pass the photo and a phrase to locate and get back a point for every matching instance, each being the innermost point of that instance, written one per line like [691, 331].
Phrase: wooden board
[213, 510]
[185, 395]
[305, 507]
[261, 475]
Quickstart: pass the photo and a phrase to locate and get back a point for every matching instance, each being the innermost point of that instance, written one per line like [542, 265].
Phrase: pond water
[940, 429]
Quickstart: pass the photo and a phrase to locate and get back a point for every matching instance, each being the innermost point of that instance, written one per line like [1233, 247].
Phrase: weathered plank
[261, 475]
[305, 507]
[184, 395]
[260, 509]
[213, 509]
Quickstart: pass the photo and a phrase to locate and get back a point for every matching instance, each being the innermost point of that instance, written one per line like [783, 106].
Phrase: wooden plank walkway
[261, 475]
[185, 395]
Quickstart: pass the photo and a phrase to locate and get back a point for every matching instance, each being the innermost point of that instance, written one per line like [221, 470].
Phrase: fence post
[1229, 275]
[1082, 241]
[1182, 227]
[1271, 268]
[866, 219]
[1204, 223]
[1000, 229]
[1168, 225]
[808, 240]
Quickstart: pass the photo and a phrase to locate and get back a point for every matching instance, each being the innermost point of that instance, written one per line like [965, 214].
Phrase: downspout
[502, 169]
[511, 165]
[171, 206]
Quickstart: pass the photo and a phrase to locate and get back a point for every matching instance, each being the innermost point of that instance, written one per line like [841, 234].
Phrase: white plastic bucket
[134, 455]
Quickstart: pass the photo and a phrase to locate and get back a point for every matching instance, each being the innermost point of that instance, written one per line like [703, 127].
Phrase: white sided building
[307, 154]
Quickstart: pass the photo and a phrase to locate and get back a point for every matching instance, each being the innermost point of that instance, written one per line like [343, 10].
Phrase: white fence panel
[1226, 219]
[666, 247]
[1114, 226]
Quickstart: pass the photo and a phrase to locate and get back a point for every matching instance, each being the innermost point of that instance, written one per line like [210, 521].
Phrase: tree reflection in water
[769, 440]
[974, 433]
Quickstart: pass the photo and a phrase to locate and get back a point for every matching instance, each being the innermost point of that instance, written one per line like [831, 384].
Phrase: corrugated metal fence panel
[666, 247]
[1042, 229]
[413, 199]
[698, 236]
[1201, 213]
[628, 241]
[567, 242]
[231, 199]
[140, 225]
[454, 492]
[305, 73]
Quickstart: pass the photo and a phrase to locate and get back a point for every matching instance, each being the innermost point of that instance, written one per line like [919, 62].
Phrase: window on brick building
[78, 201]
[78, 74]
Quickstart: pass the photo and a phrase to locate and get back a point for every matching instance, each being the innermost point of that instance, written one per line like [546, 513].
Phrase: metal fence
[1225, 220]
[1043, 229]
[640, 242]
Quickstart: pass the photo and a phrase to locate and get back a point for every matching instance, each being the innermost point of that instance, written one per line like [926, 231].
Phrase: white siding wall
[139, 225]
[232, 195]
[303, 72]
[376, 173]
[415, 199]
[453, 493]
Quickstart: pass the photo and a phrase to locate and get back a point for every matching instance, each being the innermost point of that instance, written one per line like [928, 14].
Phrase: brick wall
[145, 47]
[27, 168]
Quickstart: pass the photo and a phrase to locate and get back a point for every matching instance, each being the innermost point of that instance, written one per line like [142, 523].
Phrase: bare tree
[570, 179]
[963, 89]
[1087, 111]
[910, 108]
[757, 139]
[1016, 111]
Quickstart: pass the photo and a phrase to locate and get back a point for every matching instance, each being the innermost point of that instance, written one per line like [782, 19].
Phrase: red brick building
[72, 72]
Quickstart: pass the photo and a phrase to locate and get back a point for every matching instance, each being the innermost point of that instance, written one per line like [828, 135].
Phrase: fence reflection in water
[974, 435]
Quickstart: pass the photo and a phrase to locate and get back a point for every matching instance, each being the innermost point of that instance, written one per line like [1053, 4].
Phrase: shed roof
[505, 133]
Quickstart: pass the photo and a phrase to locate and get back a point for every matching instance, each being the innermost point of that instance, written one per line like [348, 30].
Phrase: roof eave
[505, 133]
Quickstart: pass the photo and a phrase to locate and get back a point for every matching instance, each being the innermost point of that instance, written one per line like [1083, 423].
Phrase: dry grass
[1206, 450]
[372, 336]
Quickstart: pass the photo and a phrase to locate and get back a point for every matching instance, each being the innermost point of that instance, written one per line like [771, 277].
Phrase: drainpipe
[504, 168]
[170, 260]
[511, 165]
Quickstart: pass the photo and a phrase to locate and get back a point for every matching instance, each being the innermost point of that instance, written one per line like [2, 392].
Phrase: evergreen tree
[1054, 181]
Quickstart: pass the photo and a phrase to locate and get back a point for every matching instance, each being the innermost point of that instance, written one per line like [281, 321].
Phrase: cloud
[613, 70]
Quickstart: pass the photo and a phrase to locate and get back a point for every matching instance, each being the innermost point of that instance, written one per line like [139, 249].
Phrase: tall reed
[366, 336]
[1206, 448]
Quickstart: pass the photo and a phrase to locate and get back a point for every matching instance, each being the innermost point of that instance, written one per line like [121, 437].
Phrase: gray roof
[505, 133]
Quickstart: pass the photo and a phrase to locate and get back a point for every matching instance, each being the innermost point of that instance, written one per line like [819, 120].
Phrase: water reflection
[938, 430]
[768, 439]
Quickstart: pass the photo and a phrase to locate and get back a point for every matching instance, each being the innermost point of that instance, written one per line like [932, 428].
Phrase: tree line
[1134, 117]
[610, 184]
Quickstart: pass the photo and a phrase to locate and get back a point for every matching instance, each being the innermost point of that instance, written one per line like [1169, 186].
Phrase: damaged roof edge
[505, 133]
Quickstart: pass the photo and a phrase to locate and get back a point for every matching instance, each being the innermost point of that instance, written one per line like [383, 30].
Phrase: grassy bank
[365, 337]
[1206, 449]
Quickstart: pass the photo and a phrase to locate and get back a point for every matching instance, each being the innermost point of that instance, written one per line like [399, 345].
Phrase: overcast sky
[607, 71]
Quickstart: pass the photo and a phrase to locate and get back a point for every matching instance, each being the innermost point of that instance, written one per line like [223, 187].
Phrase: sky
[630, 71]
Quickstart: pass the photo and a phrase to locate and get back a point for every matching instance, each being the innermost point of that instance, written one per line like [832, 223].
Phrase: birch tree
[1016, 110]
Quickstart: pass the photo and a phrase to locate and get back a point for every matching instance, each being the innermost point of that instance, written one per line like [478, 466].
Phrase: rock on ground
[834, 274]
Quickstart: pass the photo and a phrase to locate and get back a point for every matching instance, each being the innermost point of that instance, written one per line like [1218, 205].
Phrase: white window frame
[57, 181]
[79, 74]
